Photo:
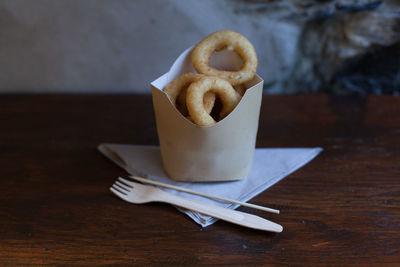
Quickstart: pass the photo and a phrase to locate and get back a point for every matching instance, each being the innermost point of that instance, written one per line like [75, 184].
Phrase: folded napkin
[270, 165]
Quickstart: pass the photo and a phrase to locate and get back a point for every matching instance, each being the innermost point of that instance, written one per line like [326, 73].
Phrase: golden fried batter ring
[196, 91]
[217, 41]
[241, 89]
[176, 91]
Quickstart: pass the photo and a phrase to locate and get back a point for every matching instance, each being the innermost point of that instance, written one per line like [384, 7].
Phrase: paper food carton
[221, 152]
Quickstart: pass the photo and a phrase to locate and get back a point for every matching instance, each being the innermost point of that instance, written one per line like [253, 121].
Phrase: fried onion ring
[241, 89]
[217, 41]
[176, 91]
[196, 91]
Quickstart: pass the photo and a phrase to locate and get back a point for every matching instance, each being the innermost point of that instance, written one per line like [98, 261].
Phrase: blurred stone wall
[120, 46]
[347, 47]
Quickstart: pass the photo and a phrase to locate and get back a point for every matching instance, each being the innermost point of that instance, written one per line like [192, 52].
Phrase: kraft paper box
[221, 152]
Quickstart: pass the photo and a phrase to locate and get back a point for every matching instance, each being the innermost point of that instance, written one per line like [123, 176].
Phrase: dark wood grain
[55, 207]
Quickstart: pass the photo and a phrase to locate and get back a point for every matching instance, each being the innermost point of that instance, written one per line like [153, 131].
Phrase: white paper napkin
[270, 165]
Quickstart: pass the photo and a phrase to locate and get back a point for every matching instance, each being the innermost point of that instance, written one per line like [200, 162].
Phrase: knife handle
[229, 215]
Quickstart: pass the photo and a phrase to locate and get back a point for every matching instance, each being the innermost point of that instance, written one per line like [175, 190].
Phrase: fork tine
[119, 188]
[118, 193]
[126, 181]
[124, 186]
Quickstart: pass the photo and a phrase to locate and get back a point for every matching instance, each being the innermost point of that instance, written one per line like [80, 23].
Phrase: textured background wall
[119, 46]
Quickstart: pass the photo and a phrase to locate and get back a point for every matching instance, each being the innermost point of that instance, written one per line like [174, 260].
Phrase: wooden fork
[138, 193]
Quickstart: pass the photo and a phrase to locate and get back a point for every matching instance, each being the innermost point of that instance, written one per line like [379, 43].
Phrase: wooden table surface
[55, 207]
